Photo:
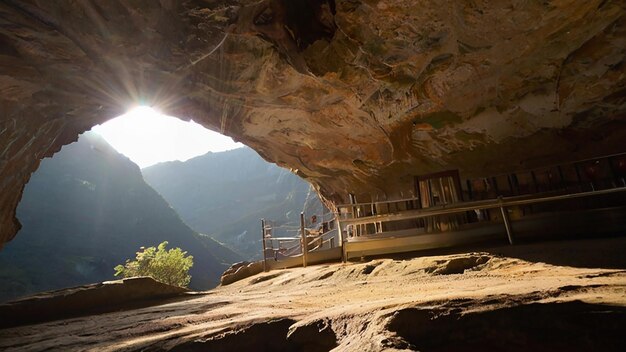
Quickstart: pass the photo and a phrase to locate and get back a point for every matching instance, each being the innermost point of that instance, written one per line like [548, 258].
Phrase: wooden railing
[406, 217]
[300, 242]
[456, 208]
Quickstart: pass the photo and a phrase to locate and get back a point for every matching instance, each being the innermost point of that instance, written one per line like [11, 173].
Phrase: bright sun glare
[148, 137]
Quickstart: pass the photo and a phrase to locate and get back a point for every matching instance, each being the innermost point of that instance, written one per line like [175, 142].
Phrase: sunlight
[148, 137]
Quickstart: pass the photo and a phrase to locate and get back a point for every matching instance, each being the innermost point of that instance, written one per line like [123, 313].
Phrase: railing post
[305, 245]
[338, 225]
[507, 223]
[340, 236]
[264, 247]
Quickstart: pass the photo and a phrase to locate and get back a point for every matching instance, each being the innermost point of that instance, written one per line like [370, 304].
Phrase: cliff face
[87, 210]
[354, 96]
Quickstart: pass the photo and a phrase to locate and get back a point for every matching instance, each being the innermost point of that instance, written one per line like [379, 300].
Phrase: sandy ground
[540, 297]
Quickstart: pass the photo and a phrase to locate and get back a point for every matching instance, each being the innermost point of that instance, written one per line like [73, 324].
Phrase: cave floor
[543, 296]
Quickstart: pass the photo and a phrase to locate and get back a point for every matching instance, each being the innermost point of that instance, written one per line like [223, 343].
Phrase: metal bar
[377, 202]
[305, 244]
[534, 177]
[495, 185]
[290, 252]
[507, 223]
[415, 214]
[489, 204]
[515, 180]
[264, 248]
[508, 180]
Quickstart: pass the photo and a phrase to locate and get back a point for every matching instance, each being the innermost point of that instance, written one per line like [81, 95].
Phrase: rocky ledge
[108, 296]
[541, 297]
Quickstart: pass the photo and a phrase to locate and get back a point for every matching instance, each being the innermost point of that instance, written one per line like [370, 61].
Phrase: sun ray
[148, 137]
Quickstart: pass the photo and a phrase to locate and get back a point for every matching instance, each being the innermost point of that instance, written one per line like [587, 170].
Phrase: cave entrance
[148, 137]
[89, 208]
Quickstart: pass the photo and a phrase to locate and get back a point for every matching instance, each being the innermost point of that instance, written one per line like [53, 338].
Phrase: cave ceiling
[354, 96]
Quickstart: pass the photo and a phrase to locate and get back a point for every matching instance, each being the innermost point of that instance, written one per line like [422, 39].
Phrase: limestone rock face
[352, 95]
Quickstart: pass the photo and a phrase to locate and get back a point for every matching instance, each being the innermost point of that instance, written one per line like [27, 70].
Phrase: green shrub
[167, 266]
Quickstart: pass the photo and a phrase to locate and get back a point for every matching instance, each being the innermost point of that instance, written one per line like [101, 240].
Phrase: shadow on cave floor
[571, 326]
[272, 336]
[604, 252]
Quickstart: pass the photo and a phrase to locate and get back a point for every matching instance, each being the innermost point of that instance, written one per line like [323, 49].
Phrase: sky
[148, 137]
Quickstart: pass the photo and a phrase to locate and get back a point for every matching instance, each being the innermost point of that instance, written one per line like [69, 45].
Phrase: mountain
[88, 209]
[226, 194]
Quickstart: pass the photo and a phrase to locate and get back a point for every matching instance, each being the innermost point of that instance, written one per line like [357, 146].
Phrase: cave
[356, 97]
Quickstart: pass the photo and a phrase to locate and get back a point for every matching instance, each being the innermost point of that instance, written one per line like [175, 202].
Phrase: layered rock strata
[352, 95]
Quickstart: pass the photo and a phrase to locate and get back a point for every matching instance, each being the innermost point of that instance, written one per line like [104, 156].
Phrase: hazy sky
[148, 137]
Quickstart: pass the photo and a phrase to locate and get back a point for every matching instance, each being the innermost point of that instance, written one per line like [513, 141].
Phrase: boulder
[239, 271]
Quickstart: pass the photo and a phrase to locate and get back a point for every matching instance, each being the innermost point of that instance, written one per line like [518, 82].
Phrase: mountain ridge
[88, 209]
[228, 204]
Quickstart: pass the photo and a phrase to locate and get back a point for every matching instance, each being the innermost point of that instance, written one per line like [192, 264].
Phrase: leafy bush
[167, 266]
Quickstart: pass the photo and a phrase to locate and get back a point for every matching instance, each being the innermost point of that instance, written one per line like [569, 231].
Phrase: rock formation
[108, 296]
[559, 296]
[352, 95]
[239, 271]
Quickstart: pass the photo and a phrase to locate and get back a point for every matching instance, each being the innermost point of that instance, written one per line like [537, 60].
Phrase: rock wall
[352, 95]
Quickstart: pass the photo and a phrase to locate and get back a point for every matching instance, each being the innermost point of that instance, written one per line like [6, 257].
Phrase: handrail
[282, 238]
[497, 175]
[287, 251]
[321, 240]
[295, 249]
[292, 250]
[288, 227]
[377, 202]
[324, 234]
[579, 161]
[469, 206]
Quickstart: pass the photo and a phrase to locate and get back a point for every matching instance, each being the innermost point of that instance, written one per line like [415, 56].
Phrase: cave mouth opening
[87, 208]
[147, 137]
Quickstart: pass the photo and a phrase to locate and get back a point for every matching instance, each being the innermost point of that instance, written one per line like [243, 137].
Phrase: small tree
[168, 266]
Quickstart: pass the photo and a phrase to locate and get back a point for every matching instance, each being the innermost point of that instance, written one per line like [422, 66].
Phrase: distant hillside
[88, 209]
[226, 194]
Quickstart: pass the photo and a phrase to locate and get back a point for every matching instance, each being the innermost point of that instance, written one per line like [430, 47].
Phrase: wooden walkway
[418, 238]
[554, 197]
